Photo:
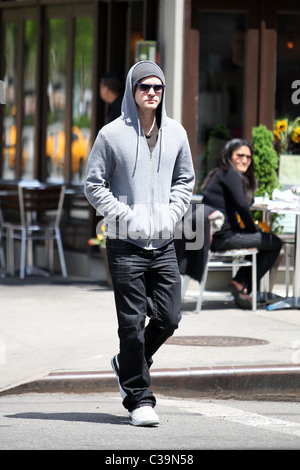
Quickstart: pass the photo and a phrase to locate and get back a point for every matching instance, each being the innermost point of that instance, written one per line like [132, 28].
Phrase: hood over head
[130, 115]
[138, 71]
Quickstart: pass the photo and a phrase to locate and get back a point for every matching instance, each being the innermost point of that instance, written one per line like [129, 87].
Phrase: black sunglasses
[145, 87]
[242, 155]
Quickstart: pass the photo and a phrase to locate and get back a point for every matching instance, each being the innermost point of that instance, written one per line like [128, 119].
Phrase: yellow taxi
[78, 150]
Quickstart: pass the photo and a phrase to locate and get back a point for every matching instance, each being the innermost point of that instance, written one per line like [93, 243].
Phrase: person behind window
[230, 189]
[111, 92]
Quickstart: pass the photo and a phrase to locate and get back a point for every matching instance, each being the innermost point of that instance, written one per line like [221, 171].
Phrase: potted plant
[265, 160]
[287, 145]
[287, 136]
[100, 241]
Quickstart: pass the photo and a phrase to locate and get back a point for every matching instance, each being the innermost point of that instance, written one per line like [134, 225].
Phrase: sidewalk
[59, 336]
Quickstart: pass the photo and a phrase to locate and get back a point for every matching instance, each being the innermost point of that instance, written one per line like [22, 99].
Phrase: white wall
[171, 13]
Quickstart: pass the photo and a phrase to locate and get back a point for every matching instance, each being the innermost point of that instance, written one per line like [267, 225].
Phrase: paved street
[99, 422]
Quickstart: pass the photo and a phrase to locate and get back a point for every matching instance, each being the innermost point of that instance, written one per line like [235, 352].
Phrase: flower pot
[289, 170]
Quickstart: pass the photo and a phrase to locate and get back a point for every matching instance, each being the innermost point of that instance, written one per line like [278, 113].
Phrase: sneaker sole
[144, 423]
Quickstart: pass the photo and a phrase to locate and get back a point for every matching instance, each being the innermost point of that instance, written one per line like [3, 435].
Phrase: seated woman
[230, 189]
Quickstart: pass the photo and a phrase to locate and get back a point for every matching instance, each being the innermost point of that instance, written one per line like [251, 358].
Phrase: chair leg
[235, 268]
[2, 258]
[202, 286]
[10, 251]
[51, 255]
[254, 283]
[185, 282]
[61, 253]
[287, 268]
[23, 255]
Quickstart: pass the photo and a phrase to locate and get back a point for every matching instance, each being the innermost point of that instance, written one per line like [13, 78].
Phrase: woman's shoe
[242, 299]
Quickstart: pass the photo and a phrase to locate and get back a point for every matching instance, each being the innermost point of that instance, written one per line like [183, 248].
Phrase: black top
[225, 193]
[114, 109]
[152, 137]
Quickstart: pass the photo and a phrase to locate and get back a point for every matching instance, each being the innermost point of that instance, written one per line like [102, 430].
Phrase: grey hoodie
[141, 195]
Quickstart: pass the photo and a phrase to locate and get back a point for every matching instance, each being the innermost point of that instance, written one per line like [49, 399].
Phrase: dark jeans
[146, 284]
[268, 244]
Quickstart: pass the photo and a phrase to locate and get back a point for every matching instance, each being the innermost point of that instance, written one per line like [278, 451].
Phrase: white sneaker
[143, 416]
[116, 369]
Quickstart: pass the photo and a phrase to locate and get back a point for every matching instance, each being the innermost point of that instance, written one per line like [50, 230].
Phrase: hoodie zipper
[151, 209]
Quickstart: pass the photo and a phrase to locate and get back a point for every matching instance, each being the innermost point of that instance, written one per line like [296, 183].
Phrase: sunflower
[276, 135]
[296, 135]
[281, 126]
[287, 136]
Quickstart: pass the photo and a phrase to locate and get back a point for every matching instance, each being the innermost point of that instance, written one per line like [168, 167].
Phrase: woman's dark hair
[249, 180]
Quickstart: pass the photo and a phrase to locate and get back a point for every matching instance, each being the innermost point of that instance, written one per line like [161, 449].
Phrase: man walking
[140, 177]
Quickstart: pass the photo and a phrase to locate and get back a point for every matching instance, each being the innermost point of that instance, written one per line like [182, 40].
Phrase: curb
[266, 382]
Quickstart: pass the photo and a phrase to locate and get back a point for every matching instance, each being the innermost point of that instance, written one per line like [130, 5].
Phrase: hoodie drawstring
[162, 147]
[138, 147]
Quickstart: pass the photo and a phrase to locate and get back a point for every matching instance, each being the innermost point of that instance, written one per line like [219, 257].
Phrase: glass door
[29, 99]
[10, 102]
[19, 77]
[82, 97]
[69, 94]
[287, 100]
[287, 107]
[221, 83]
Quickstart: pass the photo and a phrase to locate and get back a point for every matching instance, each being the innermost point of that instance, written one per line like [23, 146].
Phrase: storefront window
[82, 97]
[221, 82]
[12, 156]
[56, 94]
[10, 109]
[287, 106]
[288, 59]
[29, 100]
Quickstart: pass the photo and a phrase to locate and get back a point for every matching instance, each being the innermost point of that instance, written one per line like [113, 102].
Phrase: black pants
[268, 244]
[146, 284]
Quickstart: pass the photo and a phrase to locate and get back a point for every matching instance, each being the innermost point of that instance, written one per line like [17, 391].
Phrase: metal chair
[9, 216]
[2, 255]
[226, 260]
[40, 215]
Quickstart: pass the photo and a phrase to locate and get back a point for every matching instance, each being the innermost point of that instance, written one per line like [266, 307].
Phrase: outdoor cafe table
[279, 207]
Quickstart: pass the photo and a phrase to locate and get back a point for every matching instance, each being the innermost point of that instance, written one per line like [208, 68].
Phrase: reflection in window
[221, 82]
[82, 96]
[29, 99]
[56, 92]
[288, 59]
[9, 123]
